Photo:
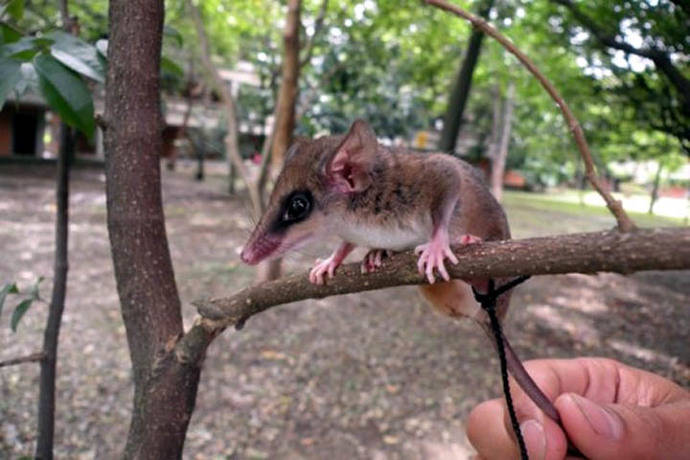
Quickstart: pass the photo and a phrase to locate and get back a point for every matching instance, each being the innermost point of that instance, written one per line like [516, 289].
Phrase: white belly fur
[394, 238]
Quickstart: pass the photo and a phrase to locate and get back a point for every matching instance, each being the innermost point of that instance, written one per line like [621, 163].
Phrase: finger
[487, 433]
[593, 376]
[451, 256]
[420, 264]
[490, 432]
[442, 271]
[609, 431]
[430, 272]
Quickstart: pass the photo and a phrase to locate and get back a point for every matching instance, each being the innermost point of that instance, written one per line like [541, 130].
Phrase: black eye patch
[295, 208]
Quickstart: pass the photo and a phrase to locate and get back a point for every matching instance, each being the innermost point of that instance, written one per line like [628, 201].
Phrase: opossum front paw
[373, 260]
[322, 268]
[432, 255]
[469, 239]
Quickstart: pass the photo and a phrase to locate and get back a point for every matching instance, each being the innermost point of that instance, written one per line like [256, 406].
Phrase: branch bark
[33, 357]
[624, 222]
[610, 251]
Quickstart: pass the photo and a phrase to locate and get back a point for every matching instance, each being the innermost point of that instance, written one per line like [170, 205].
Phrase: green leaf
[15, 8]
[10, 74]
[102, 47]
[171, 67]
[25, 48]
[66, 93]
[8, 34]
[34, 292]
[19, 312]
[29, 79]
[77, 55]
[9, 288]
[174, 34]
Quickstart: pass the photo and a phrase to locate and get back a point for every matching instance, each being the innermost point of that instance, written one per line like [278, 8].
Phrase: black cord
[488, 303]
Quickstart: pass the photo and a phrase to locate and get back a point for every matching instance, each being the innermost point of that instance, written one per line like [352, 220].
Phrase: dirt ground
[375, 375]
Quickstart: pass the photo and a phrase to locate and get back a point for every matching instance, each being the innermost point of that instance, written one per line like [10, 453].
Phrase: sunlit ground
[373, 375]
[637, 205]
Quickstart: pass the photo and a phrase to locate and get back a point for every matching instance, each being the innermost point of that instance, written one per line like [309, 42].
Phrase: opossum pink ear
[348, 168]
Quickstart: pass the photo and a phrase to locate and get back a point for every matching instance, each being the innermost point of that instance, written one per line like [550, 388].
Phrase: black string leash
[488, 303]
[506, 353]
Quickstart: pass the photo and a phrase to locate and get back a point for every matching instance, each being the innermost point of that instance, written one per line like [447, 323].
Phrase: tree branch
[624, 222]
[610, 251]
[33, 357]
[308, 48]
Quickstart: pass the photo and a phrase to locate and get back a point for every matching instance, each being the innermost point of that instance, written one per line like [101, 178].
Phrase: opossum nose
[258, 250]
[245, 256]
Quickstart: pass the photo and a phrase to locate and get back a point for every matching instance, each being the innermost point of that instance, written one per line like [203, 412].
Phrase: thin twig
[624, 222]
[33, 357]
[100, 121]
[308, 48]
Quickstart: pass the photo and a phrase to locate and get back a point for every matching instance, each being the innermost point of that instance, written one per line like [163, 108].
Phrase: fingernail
[602, 421]
[535, 440]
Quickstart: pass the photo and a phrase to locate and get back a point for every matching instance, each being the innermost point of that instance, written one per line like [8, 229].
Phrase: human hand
[609, 411]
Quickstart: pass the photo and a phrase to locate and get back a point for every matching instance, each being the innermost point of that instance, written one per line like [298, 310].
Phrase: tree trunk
[495, 136]
[285, 112]
[164, 390]
[183, 132]
[232, 176]
[655, 189]
[287, 96]
[232, 148]
[461, 89]
[51, 334]
[199, 147]
[498, 164]
[199, 176]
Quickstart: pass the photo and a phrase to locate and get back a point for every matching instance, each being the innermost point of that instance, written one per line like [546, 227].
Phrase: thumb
[608, 431]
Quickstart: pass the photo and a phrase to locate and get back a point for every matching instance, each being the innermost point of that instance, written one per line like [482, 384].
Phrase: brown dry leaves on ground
[375, 375]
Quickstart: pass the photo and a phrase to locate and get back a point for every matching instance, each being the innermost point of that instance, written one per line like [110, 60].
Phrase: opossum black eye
[297, 207]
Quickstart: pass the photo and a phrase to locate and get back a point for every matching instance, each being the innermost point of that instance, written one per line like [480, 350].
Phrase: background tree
[50, 65]
[462, 85]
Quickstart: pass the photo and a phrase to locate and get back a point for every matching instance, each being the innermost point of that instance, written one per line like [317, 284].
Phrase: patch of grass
[536, 214]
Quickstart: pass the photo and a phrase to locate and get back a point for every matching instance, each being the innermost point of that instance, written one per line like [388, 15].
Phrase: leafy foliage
[23, 306]
[66, 93]
[49, 65]
[9, 288]
[393, 63]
